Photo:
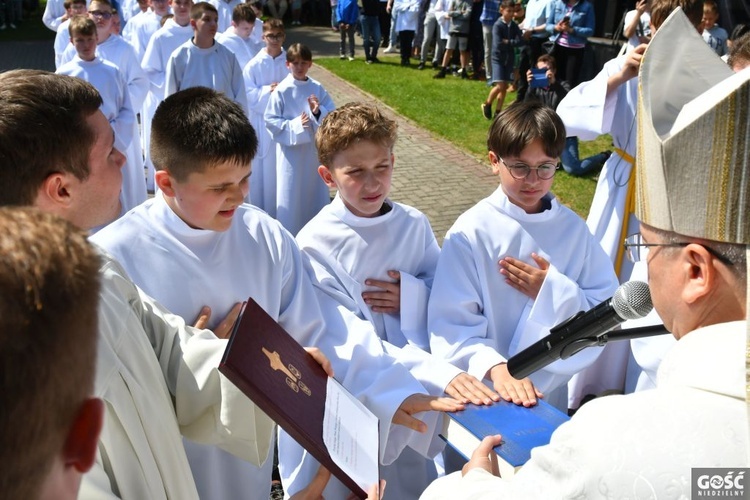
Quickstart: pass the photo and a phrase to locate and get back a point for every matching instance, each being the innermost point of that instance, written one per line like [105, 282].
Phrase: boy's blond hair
[351, 123]
[81, 25]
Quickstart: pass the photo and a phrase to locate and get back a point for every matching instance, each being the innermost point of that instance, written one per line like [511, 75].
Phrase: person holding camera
[570, 23]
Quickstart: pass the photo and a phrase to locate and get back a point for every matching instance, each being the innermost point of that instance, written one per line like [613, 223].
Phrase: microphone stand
[614, 335]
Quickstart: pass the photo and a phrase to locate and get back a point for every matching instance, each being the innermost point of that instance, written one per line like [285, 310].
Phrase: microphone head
[632, 300]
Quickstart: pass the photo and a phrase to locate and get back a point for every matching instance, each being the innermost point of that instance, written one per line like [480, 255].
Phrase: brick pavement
[431, 175]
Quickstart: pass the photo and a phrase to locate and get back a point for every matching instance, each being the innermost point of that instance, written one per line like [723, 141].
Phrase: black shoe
[441, 73]
[487, 110]
[405, 62]
[420, 66]
[463, 73]
[435, 65]
[375, 60]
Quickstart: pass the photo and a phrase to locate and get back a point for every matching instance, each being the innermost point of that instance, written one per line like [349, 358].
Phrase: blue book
[522, 429]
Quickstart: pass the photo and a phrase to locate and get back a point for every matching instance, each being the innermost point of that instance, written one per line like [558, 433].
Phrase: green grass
[450, 108]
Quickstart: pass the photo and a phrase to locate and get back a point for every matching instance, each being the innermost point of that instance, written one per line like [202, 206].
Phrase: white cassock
[154, 63]
[225, 9]
[259, 74]
[257, 34]
[130, 9]
[408, 14]
[300, 192]
[589, 112]
[477, 320]
[139, 30]
[119, 52]
[113, 88]
[345, 250]
[214, 67]
[53, 13]
[641, 445]
[62, 40]
[243, 50]
[159, 379]
[188, 268]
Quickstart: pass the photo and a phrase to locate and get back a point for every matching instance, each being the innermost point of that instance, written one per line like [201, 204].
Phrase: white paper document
[350, 431]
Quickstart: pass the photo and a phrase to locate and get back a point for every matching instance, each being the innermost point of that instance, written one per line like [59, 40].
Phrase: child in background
[201, 62]
[347, 13]
[406, 15]
[516, 264]
[238, 37]
[262, 74]
[714, 35]
[377, 258]
[293, 115]
[459, 12]
[506, 36]
[62, 38]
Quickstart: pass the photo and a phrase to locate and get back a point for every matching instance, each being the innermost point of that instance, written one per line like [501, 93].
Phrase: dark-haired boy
[238, 37]
[201, 62]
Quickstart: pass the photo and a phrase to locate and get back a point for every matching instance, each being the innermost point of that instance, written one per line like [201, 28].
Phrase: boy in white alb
[225, 9]
[238, 37]
[516, 264]
[105, 77]
[262, 74]
[114, 49]
[175, 32]
[142, 26]
[294, 112]
[196, 243]
[62, 38]
[377, 258]
[201, 62]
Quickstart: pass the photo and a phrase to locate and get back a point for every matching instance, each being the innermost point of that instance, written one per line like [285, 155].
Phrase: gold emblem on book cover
[293, 375]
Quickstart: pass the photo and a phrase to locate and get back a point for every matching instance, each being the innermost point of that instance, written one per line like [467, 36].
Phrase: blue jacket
[347, 12]
[581, 20]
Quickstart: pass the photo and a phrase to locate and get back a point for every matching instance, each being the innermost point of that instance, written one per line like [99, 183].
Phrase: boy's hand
[314, 104]
[417, 403]
[273, 86]
[467, 388]
[629, 69]
[483, 457]
[521, 392]
[223, 329]
[314, 490]
[524, 277]
[305, 119]
[321, 358]
[389, 300]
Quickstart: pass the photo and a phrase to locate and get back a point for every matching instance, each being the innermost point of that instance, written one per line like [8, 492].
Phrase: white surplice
[119, 52]
[641, 445]
[159, 379]
[344, 250]
[62, 40]
[154, 63]
[260, 73]
[300, 192]
[257, 258]
[477, 320]
[243, 50]
[139, 30]
[214, 67]
[225, 9]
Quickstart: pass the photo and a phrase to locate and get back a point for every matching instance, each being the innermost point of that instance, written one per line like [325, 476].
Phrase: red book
[279, 376]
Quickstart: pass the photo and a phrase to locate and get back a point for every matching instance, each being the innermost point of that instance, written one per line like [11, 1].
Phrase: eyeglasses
[637, 249]
[101, 14]
[274, 37]
[520, 171]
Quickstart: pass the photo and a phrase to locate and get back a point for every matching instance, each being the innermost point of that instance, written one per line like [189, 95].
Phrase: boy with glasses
[516, 264]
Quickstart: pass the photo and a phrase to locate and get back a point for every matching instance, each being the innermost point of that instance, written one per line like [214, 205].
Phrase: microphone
[632, 300]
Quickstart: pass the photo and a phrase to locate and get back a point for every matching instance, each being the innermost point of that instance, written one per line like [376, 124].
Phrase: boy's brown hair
[273, 24]
[522, 123]
[549, 61]
[81, 25]
[660, 10]
[49, 278]
[711, 4]
[197, 129]
[243, 12]
[298, 51]
[351, 123]
[52, 102]
[198, 9]
[103, 2]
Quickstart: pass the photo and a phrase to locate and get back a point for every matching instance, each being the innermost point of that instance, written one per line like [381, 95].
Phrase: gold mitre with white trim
[693, 163]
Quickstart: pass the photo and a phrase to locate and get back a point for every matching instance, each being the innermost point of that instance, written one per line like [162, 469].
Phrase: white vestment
[214, 67]
[300, 192]
[225, 9]
[640, 445]
[154, 63]
[478, 321]
[139, 30]
[259, 74]
[589, 112]
[257, 258]
[345, 250]
[243, 50]
[158, 379]
[117, 51]
[62, 40]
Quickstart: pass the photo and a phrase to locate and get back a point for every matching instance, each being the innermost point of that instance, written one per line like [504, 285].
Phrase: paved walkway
[431, 175]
